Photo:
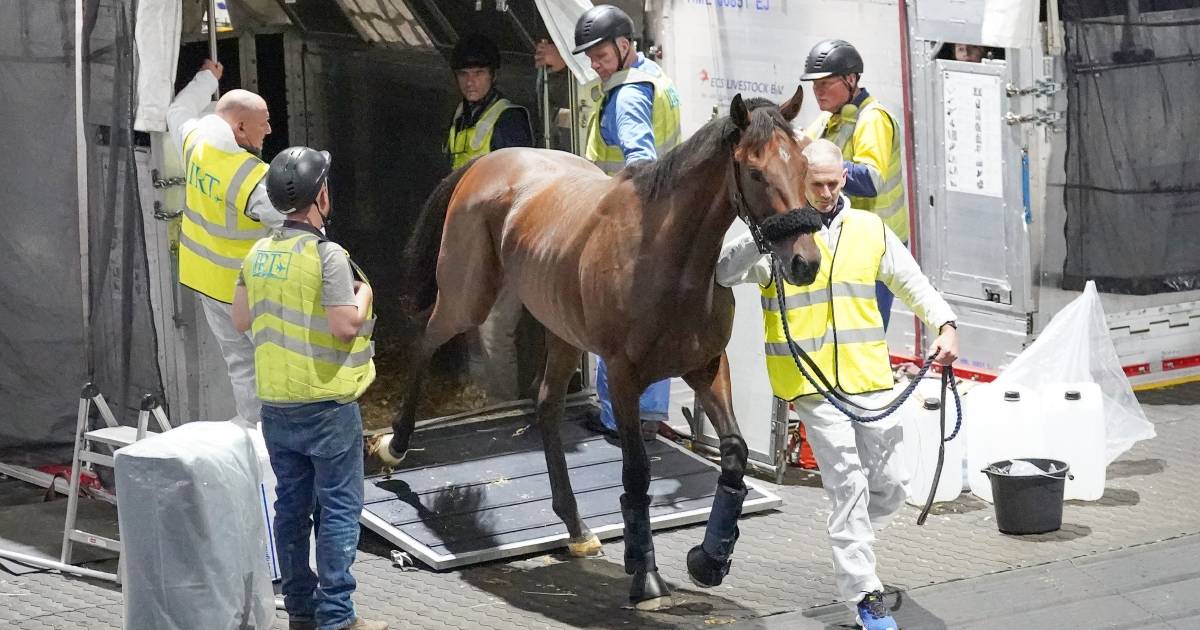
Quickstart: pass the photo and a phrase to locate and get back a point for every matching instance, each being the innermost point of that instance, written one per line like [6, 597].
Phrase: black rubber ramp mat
[479, 491]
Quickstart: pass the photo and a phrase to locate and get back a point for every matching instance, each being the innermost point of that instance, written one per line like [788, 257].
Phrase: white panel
[757, 48]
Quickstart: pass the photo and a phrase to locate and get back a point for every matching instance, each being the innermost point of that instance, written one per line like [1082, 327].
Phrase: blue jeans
[653, 405]
[884, 298]
[316, 453]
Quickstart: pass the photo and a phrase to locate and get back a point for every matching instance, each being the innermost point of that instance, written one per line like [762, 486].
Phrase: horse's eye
[756, 175]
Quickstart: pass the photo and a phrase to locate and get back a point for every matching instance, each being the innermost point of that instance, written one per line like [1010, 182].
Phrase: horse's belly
[548, 292]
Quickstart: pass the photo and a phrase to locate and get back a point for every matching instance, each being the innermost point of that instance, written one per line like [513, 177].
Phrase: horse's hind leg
[440, 329]
[709, 562]
[467, 288]
[648, 591]
[561, 359]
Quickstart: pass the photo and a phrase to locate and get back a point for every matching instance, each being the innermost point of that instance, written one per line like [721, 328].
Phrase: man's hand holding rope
[945, 348]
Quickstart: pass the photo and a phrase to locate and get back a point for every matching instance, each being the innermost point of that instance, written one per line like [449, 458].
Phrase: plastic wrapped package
[266, 496]
[1075, 347]
[190, 511]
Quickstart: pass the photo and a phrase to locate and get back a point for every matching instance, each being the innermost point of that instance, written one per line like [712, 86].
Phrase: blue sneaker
[873, 613]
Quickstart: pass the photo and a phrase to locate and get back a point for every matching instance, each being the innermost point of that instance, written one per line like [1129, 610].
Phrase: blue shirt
[626, 119]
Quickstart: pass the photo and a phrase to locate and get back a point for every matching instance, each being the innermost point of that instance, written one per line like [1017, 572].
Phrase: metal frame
[81, 187]
[115, 436]
[1151, 333]
[448, 561]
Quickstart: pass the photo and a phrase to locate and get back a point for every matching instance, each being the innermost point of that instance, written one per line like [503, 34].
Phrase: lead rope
[831, 394]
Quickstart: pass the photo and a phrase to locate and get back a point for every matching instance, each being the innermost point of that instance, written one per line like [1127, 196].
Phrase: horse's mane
[655, 179]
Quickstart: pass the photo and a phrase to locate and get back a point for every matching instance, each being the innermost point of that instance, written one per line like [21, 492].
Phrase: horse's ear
[738, 112]
[791, 107]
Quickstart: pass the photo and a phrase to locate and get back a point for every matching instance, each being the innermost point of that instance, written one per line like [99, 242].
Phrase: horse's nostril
[802, 270]
[798, 266]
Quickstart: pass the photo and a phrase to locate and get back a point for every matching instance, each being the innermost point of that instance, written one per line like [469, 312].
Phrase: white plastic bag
[1075, 347]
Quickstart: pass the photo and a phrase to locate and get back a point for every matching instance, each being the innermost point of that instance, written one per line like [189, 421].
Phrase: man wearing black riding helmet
[637, 119]
[486, 121]
[867, 134]
[310, 310]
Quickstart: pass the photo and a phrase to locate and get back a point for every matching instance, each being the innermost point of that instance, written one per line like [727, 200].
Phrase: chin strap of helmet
[851, 88]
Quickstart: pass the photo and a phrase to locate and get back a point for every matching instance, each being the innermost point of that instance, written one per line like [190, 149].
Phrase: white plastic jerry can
[1005, 424]
[922, 434]
[1075, 434]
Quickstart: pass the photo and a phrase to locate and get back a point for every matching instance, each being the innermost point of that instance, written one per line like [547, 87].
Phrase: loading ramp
[477, 490]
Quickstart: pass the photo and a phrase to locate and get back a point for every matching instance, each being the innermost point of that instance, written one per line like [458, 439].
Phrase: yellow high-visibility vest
[835, 319]
[216, 233]
[664, 116]
[297, 359]
[476, 140]
[869, 134]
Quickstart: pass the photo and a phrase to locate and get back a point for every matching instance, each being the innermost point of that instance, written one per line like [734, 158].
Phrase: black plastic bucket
[1028, 504]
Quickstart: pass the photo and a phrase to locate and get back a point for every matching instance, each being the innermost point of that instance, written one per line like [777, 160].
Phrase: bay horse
[622, 267]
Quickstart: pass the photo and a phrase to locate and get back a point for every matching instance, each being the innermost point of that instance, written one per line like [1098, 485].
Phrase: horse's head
[769, 172]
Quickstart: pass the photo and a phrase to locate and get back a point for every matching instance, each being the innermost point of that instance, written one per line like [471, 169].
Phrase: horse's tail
[421, 251]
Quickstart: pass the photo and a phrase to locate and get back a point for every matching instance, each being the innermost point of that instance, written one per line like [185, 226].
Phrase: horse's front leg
[561, 359]
[648, 591]
[709, 562]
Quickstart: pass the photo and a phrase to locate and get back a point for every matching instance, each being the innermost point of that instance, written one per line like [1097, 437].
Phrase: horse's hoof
[383, 450]
[585, 547]
[704, 570]
[650, 591]
[656, 603]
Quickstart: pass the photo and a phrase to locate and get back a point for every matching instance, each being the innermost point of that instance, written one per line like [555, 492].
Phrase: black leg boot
[708, 563]
[648, 591]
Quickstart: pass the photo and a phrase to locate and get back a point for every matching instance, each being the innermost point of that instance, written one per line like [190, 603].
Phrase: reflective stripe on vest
[664, 118]
[297, 358]
[475, 141]
[889, 202]
[835, 319]
[216, 233]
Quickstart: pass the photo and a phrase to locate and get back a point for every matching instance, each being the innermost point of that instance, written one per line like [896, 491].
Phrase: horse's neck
[700, 212]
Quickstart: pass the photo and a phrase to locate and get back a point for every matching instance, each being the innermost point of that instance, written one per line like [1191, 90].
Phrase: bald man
[225, 212]
[837, 320]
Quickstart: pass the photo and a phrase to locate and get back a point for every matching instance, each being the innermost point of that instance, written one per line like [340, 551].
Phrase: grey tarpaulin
[43, 358]
[1133, 170]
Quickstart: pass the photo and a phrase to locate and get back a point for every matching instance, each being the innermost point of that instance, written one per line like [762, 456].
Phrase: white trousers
[865, 481]
[238, 350]
[494, 362]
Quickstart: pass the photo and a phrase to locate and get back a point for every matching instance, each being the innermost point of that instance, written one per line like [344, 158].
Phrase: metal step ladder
[113, 435]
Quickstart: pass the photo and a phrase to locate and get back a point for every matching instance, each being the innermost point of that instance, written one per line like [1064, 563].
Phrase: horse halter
[739, 204]
[774, 228]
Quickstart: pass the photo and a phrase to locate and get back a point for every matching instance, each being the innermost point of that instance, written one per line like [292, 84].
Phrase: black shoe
[594, 425]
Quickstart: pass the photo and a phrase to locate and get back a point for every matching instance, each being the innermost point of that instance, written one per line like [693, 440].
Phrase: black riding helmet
[601, 23]
[832, 57]
[296, 177]
[475, 51]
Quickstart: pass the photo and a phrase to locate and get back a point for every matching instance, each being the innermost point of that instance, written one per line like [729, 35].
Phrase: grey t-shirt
[337, 279]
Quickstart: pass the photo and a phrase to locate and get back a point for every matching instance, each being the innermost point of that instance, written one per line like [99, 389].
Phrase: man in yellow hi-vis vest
[836, 320]
[486, 121]
[637, 119]
[226, 209]
[868, 135]
[309, 309]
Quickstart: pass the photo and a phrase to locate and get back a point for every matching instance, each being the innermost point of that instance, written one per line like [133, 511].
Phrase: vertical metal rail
[81, 186]
[543, 81]
[212, 36]
[914, 233]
